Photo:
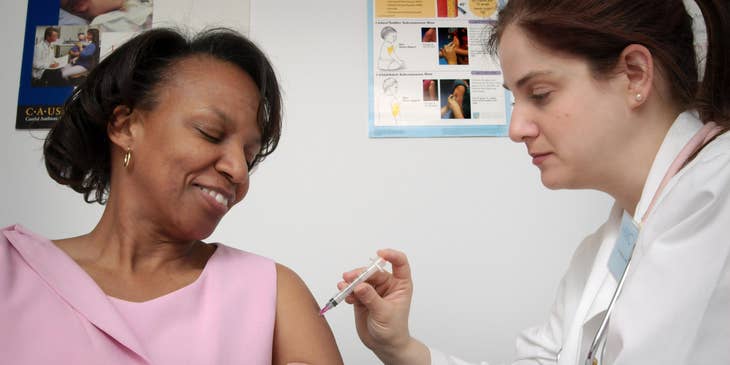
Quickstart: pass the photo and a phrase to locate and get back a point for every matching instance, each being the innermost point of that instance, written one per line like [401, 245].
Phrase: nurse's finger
[399, 261]
[350, 299]
[368, 297]
[378, 280]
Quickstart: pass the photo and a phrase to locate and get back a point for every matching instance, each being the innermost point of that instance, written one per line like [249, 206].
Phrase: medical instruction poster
[65, 39]
[430, 73]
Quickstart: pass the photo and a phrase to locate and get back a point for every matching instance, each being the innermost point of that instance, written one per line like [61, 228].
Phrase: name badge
[624, 247]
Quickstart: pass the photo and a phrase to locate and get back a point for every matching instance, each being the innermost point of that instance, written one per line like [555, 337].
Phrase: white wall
[488, 244]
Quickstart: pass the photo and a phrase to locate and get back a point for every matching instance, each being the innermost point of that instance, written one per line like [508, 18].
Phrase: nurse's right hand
[381, 309]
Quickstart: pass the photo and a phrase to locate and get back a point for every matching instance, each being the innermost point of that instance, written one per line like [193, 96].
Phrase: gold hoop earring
[127, 157]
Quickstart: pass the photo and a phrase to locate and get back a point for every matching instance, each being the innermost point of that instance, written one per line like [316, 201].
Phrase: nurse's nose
[521, 125]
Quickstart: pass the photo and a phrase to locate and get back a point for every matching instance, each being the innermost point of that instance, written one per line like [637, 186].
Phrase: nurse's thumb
[367, 295]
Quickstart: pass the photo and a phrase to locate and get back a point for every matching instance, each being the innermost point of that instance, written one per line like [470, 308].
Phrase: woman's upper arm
[300, 333]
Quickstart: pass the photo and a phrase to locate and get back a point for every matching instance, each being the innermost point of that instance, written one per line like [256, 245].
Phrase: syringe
[377, 265]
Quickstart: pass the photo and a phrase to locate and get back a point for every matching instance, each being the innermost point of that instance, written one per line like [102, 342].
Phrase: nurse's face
[572, 124]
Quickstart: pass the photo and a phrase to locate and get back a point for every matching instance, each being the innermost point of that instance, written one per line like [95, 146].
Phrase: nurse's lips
[539, 158]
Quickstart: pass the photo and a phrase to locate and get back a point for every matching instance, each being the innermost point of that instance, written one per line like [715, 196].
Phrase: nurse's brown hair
[599, 30]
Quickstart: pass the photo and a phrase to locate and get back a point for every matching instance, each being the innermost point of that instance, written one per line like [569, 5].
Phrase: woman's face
[572, 124]
[191, 152]
[90, 37]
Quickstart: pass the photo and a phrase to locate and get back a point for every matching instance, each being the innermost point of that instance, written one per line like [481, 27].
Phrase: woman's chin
[197, 231]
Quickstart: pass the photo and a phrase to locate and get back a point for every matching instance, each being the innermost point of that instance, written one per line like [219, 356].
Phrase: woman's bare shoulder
[300, 334]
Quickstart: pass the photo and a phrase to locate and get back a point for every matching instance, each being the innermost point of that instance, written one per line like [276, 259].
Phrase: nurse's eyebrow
[527, 78]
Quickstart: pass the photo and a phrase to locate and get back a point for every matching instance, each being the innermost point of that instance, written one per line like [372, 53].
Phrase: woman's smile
[216, 199]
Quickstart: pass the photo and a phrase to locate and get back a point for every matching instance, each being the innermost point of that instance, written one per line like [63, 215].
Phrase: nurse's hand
[381, 308]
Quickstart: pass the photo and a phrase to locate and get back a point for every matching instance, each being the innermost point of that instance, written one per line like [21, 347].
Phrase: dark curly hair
[77, 150]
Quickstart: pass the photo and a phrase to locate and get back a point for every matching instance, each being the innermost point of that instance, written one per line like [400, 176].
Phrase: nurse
[608, 96]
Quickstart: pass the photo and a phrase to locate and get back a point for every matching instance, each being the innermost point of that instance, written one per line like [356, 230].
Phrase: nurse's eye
[540, 97]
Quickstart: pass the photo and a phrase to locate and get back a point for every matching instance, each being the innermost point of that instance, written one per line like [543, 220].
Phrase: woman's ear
[637, 64]
[121, 128]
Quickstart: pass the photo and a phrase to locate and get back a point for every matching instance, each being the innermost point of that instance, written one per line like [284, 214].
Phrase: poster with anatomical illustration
[429, 71]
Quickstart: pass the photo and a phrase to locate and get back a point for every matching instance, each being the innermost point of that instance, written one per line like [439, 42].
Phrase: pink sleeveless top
[54, 311]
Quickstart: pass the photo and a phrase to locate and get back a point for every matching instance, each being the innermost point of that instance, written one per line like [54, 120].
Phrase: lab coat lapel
[74, 285]
[596, 294]
[601, 285]
[600, 288]
[602, 298]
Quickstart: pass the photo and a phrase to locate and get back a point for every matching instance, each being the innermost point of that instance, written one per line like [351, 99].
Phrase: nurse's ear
[637, 65]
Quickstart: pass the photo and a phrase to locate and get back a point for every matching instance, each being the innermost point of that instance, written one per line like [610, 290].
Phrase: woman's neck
[125, 242]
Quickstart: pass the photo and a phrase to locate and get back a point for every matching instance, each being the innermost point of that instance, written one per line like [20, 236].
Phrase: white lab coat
[675, 304]
[43, 57]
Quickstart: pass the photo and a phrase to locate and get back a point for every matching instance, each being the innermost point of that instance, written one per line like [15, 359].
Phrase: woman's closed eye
[210, 136]
[251, 159]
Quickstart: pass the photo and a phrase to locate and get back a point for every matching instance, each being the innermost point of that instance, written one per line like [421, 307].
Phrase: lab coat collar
[73, 284]
[681, 131]
[601, 285]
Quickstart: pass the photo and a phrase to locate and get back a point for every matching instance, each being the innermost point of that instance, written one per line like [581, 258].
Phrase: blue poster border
[38, 107]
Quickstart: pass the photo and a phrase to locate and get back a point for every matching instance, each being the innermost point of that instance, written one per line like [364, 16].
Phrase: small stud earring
[638, 97]
[127, 157]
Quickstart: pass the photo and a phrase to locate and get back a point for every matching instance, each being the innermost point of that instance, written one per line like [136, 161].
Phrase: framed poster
[65, 39]
[429, 71]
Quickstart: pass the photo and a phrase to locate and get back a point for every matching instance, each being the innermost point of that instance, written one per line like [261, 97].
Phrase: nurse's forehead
[523, 59]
